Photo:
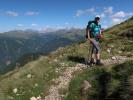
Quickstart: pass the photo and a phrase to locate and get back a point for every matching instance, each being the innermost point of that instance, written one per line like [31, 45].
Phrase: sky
[46, 15]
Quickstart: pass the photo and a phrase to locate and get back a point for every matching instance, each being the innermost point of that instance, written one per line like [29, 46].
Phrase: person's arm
[89, 32]
[100, 29]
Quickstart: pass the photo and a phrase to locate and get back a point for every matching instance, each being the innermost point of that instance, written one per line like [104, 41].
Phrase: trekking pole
[87, 61]
[86, 58]
[90, 53]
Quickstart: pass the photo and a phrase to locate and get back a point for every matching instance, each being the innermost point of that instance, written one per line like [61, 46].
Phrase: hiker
[94, 35]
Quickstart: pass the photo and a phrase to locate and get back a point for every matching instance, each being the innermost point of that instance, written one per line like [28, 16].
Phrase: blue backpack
[87, 28]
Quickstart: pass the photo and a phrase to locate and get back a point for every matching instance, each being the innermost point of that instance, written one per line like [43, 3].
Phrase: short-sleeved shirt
[95, 29]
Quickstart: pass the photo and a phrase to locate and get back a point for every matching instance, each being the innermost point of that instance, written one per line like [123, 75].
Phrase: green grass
[124, 45]
[42, 73]
[45, 69]
[107, 82]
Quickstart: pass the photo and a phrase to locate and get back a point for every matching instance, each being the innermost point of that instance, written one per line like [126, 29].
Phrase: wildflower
[15, 90]
[33, 98]
[29, 76]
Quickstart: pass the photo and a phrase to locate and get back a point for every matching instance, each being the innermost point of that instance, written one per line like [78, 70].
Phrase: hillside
[16, 44]
[37, 79]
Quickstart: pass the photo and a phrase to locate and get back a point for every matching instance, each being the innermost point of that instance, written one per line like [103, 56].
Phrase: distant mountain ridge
[16, 43]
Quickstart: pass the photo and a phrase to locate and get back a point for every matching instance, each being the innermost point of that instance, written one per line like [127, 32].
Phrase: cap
[97, 17]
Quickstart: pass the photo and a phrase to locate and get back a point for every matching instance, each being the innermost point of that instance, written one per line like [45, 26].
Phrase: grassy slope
[111, 82]
[42, 72]
[45, 69]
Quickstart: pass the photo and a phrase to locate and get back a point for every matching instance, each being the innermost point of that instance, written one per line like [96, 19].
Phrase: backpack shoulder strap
[88, 27]
[89, 23]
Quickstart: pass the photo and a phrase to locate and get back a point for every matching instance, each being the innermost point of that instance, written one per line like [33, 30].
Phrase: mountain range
[16, 44]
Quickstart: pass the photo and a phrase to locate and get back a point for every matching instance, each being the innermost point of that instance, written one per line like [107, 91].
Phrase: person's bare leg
[98, 56]
[92, 61]
[98, 59]
[92, 56]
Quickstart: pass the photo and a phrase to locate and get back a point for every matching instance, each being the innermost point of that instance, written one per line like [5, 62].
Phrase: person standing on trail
[93, 34]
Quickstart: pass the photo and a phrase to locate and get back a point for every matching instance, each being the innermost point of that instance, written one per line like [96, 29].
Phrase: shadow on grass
[76, 59]
[114, 85]
[103, 79]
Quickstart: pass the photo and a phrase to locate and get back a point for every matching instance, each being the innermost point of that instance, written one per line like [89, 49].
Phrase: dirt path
[65, 78]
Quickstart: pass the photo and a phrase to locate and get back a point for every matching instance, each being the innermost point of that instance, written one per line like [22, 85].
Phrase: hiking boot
[98, 62]
[92, 61]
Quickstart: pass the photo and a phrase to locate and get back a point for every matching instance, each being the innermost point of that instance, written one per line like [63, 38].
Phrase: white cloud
[116, 21]
[120, 14]
[66, 23]
[12, 13]
[108, 10]
[130, 14]
[48, 29]
[20, 25]
[57, 27]
[86, 11]
[105, 26]
[33, 24]
[32, 13]
[102, 15]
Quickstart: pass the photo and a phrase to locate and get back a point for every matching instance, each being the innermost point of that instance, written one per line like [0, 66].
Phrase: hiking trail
[64, 79]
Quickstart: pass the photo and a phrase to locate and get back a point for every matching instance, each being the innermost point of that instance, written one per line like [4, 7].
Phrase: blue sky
[56, 14]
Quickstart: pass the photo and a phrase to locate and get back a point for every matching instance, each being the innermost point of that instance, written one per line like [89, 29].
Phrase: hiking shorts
[95, 47]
